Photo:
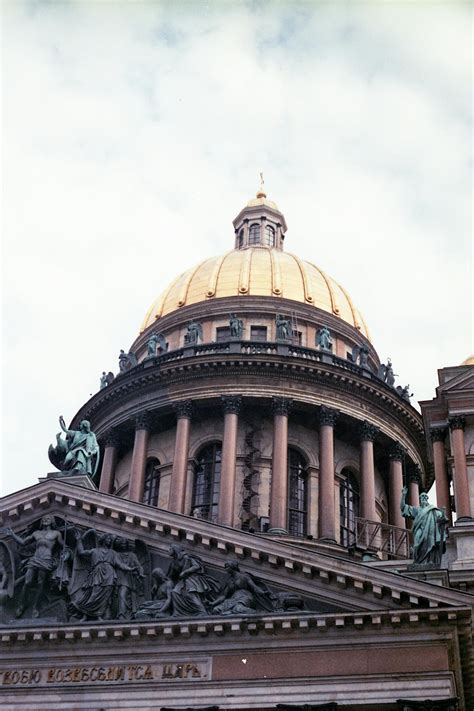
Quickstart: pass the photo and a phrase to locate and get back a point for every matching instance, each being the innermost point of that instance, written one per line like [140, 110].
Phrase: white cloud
[134, 132]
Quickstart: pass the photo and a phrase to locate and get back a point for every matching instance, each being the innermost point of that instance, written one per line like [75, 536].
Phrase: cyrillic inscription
[106, 674]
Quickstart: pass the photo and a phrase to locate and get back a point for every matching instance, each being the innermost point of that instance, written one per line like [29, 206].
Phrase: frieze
[167, 671]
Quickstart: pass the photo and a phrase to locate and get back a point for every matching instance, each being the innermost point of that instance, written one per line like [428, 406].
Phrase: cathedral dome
[257, 271]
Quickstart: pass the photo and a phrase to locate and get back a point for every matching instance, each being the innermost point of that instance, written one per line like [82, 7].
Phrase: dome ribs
[212, 285]
[307, 293]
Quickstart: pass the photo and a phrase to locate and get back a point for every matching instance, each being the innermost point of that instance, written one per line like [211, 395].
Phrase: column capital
[396, 451]
[437, 434]
[367, 431]
[142, 421]
[414, 476]
[328, 416]
[457, 422]
[281, 405]
[231, 404]
[184, 409]
[111, 438]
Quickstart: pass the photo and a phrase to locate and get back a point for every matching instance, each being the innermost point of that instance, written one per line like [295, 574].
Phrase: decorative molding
[327, 416]
[281, 406]
[396, 451]
[368, 432]
[437, 434]
[142, 421]
[184, 409]
[457, 422]
[231, 404]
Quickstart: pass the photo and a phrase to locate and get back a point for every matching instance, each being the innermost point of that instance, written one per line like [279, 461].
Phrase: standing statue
[94, 577]
[283, 328]
[152, 345]
[79, 452]
[163, 344]
[41, 564]
[360, 355]
[323, 339]
[429, 530]
[241, 593]
[194, 333]
[193, 590]
[404, 392]
[161, 603]
[103, 380]
[127, 361]
[129, 582]
[236, 326]
[386, 373]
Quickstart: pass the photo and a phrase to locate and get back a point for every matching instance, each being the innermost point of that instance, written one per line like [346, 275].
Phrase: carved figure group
[323, 339]
[127, 361]
[106, 379]
[91, 576]
[193, 334]
[236, 326]
[283, 328]
[429, 531]
[156, 344]
[386, 373]
[404, 392]
[360, 355]
[79, 452]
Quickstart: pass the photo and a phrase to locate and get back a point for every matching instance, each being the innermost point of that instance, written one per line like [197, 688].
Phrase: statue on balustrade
[78, 453]
[404, 392]
[194, 334]
[241, 593]
[127, 361]
[236, 326]
[152, 345]
[323, 339]
[360, 355]
[193, 590]
[283, 328]
[429, 531]
[386, 373]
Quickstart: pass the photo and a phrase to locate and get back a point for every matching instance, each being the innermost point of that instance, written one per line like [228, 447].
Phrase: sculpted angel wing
[7, 567]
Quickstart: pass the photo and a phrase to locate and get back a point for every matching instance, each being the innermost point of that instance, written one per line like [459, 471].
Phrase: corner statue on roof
[78, 452]
[429, 531]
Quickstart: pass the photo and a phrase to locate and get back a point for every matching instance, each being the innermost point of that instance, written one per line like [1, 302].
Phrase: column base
[325, 539]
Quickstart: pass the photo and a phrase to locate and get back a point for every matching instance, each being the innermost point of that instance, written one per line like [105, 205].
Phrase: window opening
[254, 234]
[222, 334]
[258, 333]
[269, 236]
[297, 494]
[151, 490]
[206, 487]
[349, 502]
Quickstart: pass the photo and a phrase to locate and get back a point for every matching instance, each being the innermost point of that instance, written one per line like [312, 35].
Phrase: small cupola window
[269, 236]
[254, 233]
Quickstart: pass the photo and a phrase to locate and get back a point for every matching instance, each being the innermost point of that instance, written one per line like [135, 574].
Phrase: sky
[134, 132]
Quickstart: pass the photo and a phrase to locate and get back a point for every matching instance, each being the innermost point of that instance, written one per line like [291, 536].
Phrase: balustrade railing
[377, 537]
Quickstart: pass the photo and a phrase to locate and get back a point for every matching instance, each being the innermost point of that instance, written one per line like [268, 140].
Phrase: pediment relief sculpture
[56, 571]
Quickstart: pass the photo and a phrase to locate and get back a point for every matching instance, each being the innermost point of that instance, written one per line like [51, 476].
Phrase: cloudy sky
[133, 133]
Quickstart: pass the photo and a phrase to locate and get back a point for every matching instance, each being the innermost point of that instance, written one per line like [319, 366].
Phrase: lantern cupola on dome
[260, 223]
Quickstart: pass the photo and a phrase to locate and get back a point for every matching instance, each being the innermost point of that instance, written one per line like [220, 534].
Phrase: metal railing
[376, 537]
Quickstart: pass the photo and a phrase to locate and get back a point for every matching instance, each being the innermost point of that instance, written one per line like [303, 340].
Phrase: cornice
[344, 581]
[163, 631]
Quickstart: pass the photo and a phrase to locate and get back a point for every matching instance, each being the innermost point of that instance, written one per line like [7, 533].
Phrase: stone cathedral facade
[225, 530]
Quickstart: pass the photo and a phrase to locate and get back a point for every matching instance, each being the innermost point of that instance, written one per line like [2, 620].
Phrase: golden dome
[469, 361]
[257, 271]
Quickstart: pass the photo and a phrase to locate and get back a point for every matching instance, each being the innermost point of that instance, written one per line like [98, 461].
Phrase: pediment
[460, 383]
[276, 577]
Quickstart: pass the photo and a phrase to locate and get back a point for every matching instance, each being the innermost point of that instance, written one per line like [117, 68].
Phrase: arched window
[151, 491]
[207, 479]
[297, 494]
[269, 236]
[241, 239]
[348, 506]
[254, 234]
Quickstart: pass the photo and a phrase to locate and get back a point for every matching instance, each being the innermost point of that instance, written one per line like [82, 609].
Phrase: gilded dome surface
[257, 271]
